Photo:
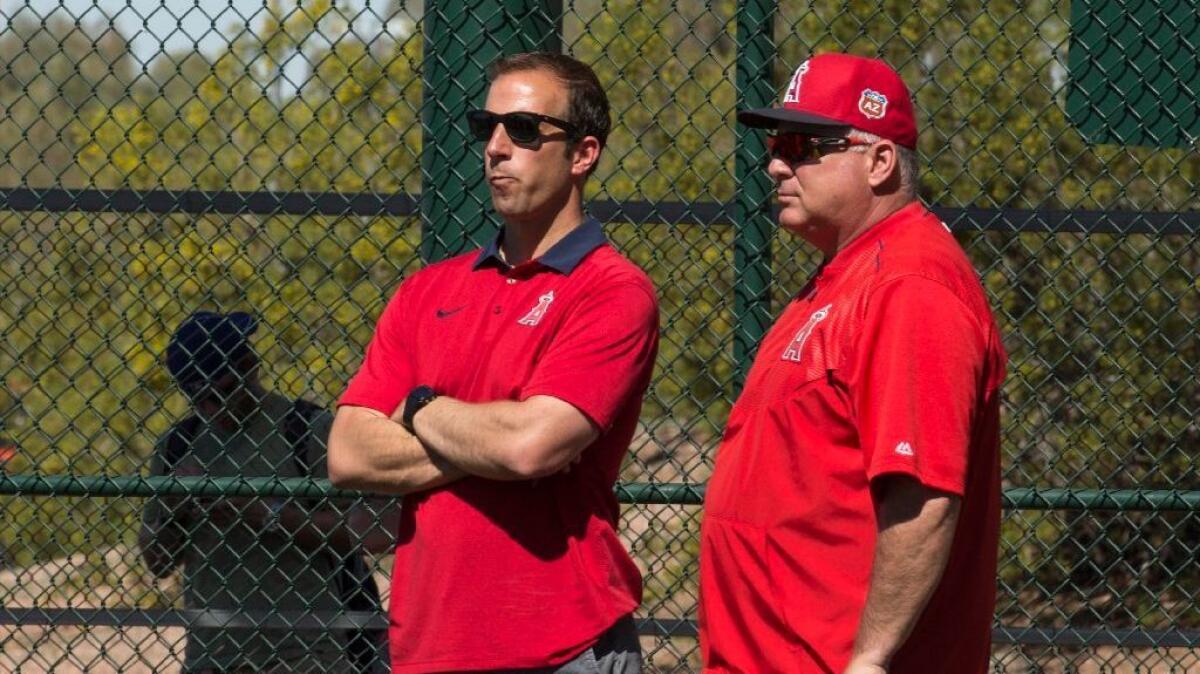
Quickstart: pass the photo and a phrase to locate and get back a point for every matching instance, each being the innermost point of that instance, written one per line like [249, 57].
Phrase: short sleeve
[602, 354]
[918, 381]
[386, 373]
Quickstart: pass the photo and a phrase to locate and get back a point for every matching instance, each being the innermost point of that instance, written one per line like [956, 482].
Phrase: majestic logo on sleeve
[535, 315]
[872, 104]
[794, 349]
[792, 94]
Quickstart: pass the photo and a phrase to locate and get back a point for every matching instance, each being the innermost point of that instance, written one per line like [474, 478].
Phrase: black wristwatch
[417, 398]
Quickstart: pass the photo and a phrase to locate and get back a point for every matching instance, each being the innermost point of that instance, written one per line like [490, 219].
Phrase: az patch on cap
[872, 104]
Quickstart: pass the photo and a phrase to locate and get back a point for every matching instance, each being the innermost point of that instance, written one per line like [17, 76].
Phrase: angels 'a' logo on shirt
[535, 314]
[794, 349]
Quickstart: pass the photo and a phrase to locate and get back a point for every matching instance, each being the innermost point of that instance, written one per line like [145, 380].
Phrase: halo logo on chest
[796, 347]
[536, 314]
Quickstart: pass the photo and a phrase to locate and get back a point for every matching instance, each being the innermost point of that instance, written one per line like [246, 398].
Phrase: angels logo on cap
[872, 104]
[792, 95]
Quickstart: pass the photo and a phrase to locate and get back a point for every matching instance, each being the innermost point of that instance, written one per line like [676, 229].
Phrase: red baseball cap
[836, 92]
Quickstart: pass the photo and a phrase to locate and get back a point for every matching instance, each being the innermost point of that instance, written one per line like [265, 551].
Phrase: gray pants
[617, 652]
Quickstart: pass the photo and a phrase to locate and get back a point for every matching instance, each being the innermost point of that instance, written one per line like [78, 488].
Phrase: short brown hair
[587, 106]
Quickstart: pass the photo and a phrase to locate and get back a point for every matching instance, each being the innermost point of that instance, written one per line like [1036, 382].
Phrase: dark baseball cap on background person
[832, 93]
[206, 346]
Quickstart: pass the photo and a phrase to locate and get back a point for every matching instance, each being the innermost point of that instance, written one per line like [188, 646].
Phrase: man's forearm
[916, 532]
[483, 439]
[370, 452]
[506, 439]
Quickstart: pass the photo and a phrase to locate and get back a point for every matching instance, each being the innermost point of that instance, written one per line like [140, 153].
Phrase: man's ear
[883, 164]
[585, 156]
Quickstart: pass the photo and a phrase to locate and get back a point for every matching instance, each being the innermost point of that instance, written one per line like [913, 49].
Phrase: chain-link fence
[297, 159]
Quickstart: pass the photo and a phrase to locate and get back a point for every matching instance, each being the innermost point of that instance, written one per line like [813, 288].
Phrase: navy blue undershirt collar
[563, 256]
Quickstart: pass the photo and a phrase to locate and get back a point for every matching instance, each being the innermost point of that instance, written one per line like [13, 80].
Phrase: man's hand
[574, 462]
[864, 665]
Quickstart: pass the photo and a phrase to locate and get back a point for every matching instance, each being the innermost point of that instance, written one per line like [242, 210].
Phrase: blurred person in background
[254, 555]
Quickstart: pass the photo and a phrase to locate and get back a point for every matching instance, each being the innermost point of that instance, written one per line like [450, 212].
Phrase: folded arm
[506, 440]
[370, 452]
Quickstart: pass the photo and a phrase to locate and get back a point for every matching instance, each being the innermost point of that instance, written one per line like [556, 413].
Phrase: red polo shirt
[888, 362]
[498, 575]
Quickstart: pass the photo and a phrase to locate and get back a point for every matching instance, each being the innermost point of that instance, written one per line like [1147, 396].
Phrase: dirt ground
[57, 584]
[145, 650]
[63, 583]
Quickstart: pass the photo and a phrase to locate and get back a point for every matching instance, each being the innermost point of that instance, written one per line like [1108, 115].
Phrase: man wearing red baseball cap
[851, 524]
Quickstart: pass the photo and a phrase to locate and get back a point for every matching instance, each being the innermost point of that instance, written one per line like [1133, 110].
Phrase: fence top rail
[644, 493]
[702, 214]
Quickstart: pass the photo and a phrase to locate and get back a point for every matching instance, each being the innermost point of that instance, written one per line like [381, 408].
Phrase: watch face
[417, 398]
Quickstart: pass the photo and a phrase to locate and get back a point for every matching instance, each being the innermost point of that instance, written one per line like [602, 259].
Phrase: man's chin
[806, 229]
[796, 225]
[508, 210]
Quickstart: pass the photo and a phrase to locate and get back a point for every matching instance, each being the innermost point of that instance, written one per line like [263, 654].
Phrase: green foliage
[90, 300]
[1101, 329]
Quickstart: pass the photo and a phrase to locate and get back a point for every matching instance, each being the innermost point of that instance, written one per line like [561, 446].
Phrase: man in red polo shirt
[499, 394]
[851, 524]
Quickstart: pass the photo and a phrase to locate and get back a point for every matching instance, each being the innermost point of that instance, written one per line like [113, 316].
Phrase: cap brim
[774, 118]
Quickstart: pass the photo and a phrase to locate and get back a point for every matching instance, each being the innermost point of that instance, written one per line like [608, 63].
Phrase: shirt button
[496, 310]
[511, 281]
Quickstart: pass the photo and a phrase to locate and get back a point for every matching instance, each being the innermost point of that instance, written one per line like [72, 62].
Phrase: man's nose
[499, 145]
[778, 169]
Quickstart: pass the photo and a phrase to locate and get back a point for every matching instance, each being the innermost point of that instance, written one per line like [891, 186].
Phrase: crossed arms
[501, 440]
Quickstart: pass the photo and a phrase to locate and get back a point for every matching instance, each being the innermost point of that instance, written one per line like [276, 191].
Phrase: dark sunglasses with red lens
[795, 148]
[524, 128]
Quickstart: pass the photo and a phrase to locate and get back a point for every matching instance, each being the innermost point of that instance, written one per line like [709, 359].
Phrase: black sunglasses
[795, 148]
[524, 128]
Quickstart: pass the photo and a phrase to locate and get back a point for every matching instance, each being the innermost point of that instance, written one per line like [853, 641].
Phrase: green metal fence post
[461, 39]
[752, 206]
